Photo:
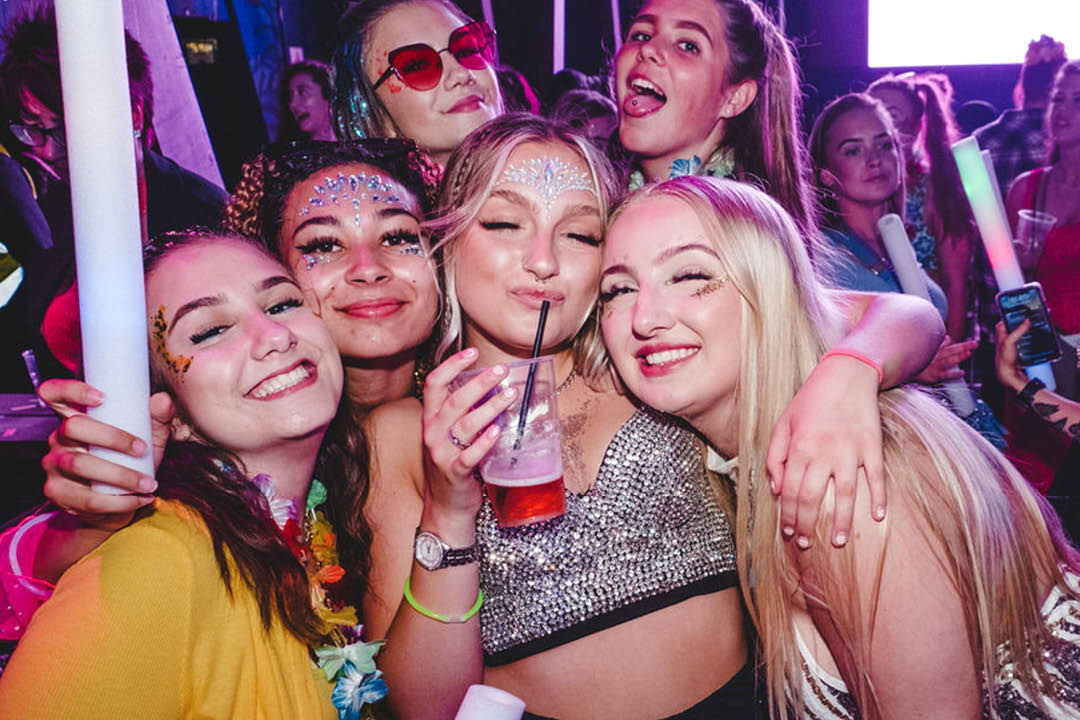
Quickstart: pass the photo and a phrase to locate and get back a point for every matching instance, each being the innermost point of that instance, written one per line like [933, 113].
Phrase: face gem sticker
[549, 177]
[179, 364]
[352, 188]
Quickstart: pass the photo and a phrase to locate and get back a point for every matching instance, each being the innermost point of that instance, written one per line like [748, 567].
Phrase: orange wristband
[858, 356]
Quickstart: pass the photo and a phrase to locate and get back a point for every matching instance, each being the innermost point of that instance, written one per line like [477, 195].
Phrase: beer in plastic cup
[522, 473]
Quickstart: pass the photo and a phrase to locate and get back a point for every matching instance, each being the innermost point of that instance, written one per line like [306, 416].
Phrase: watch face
[428, 550]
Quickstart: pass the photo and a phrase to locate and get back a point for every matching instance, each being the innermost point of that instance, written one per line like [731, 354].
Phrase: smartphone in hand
[1027, 302]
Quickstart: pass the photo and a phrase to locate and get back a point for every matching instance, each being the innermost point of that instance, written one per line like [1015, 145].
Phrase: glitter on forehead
[549, 177]
[352, 188]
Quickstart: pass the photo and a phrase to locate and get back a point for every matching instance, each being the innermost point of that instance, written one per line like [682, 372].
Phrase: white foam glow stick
[993, 225]
[483, 702]
[105, 209]
[911, 280]
[558, 36]
[616, 24]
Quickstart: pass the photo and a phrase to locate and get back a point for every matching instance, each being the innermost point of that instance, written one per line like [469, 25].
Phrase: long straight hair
[1000, 541]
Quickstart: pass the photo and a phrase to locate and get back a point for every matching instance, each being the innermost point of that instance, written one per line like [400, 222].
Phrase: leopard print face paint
[179, 364]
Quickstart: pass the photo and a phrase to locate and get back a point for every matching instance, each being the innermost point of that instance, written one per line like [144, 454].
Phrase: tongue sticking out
[638, 104]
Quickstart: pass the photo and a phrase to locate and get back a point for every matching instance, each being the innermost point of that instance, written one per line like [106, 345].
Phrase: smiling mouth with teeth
[644, 87]
[668, 356]
[280, 383]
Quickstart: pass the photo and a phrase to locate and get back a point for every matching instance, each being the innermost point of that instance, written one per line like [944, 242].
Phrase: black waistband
[707, 585]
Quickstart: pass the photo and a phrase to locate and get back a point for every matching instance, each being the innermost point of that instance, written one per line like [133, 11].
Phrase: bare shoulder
[394, 432]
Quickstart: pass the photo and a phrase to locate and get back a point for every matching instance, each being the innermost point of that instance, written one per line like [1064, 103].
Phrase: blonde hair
[996, 536]
[471, 174]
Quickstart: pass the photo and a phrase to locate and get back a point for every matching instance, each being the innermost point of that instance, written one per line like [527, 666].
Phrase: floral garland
[346, 659]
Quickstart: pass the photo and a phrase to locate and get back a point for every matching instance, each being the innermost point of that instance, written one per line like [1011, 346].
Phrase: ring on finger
[456, 441]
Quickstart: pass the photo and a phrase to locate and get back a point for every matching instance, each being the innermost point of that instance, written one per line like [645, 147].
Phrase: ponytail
[766, 139]
[949, 203]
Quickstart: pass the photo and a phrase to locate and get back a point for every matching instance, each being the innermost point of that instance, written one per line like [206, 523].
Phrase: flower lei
[346, 659]
[720, 164]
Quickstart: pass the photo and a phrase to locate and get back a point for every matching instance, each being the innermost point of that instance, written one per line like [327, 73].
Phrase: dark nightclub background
[236, 48]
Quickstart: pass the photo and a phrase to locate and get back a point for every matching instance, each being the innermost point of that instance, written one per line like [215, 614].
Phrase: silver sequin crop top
[647, 535]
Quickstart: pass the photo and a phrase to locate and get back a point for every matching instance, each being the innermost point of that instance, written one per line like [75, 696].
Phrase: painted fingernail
[803, 542]
[840, 539]
[147, 484]
[498, 370]
[494, 431]
[138, 447]
[879, 512]
[788, 531]
[772, 486]
[509, 392]
[146, 500]
[469, 352]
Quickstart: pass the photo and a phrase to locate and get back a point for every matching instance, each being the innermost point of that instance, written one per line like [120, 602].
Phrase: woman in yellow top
[203, 607]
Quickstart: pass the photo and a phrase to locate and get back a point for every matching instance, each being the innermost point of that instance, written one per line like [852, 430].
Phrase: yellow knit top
[143, 627]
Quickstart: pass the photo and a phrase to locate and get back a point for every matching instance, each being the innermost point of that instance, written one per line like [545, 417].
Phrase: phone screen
[1038, 344]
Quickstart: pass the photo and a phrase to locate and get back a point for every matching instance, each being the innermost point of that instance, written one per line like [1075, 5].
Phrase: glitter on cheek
[311, 261]
[710, 287]
[411, 250]
[179, 364]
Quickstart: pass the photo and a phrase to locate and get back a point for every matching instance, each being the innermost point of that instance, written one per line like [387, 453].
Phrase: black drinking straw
[526, 400]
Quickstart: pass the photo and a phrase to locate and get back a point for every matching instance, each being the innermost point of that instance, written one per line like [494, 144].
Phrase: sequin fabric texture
[649, 526]
[828, 699]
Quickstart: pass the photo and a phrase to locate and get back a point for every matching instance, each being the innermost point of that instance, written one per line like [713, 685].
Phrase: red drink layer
[526, 504]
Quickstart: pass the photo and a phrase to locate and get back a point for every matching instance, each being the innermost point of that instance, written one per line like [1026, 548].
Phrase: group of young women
[285, 504]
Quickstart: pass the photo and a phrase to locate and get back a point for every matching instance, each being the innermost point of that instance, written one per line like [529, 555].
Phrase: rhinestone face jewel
[352, 189]
[549, 177]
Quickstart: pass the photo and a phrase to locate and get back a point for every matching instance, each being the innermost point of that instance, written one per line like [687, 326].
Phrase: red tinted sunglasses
[420, 67]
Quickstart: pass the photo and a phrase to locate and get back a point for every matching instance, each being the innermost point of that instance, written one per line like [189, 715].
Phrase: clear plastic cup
[1031, 231]
[523, 473]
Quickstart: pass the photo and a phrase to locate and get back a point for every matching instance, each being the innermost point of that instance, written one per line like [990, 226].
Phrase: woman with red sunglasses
[419, 69]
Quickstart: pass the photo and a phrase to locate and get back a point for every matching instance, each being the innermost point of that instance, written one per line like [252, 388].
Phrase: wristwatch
[432, 553]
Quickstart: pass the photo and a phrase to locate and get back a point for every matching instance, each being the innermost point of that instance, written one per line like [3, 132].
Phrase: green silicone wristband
[439, 616]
